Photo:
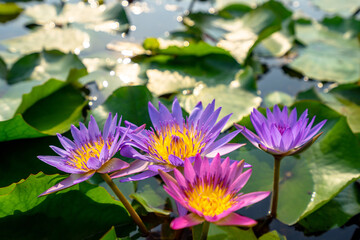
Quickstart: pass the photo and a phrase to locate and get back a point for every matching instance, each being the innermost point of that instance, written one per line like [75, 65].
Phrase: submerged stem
[275, 192]
[125, 202]
[205, 230]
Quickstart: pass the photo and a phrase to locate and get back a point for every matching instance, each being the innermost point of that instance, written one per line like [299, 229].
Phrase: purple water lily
[280, 133]
[211, 192]
[90, 152]
[174, 139]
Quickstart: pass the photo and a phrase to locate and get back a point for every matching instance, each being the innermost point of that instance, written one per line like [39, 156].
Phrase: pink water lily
[174, 139]
[210, 192]
[90, 152]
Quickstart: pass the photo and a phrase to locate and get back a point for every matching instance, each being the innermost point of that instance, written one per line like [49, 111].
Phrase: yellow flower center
[172, 141]
[209, 199]
[81, 155]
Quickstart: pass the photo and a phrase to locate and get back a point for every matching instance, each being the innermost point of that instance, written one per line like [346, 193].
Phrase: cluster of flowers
[204, 186]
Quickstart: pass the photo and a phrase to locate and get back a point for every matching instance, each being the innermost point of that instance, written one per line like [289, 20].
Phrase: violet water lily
[91, 152]
[210, 192]
[173, 139]
[281, 134]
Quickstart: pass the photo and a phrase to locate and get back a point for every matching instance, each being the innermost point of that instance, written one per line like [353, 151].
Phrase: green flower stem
[205, 230]
[125, 202]
[275, 192]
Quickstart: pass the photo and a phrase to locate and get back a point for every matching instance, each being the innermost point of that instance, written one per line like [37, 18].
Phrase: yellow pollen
[81, 155]
[209, 200]
[172, 141]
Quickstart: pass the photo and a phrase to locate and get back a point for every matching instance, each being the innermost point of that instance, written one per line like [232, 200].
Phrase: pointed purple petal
[93, 129]
[182, 211]
[154, 116]
[130, 152]
[112, 165]
[140, 176]
[221, 142]
[68, 182]
[93, 163]
[177, 113]
[60, 151]
[227, 148]
[175, 161]
[135, 167]
[60, 163]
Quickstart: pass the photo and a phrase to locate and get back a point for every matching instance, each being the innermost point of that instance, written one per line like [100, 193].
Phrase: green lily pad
[62, 39]
[345, 9]
[45, 65]
[277, 97]
[83, 210]
[313, 178]
[128, 102]
[239, 35]
[336, 212]
[9, 11]
[110, 75]
[48, 109]
[229, 233]
[107, 18]
[273, 235]
[343, 99]
[152, 198]
[329, 55]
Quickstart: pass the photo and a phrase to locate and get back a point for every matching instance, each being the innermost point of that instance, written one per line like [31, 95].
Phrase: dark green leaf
[128, 102]
[9, 11]
[85, 210]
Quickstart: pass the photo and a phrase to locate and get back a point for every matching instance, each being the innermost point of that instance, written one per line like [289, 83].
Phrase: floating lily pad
[20, 205]
[277, 97]
[230, 233]
[344, 8]
[9, 11]
[205, 78]
[313, 178]
[65, 40]
[45, 65]
[110, 74]
[328, 56]
[108, 18]
[46, 110]
[240, 35]
[129, 102]
[343, 99]
[336, 212]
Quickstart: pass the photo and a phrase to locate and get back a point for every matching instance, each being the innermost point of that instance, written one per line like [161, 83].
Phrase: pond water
[158, 18]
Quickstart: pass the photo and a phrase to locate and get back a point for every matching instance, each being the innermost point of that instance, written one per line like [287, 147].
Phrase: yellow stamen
[172, 141]
[209, 199]
[81, 155]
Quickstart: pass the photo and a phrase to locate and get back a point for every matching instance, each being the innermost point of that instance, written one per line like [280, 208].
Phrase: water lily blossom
[210, 192]
[280, 133]
[90, 152]
[174, 139]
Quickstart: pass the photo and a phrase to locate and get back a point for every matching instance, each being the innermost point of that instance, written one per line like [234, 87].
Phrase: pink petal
[135, 167]
[240, 180]
[112, 165]
[68, 182]
[237, 220]
[250, 198]
[186, 221]
[189, 170]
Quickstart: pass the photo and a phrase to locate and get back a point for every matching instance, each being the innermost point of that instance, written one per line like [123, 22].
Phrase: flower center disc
[81, 155]
[171, 141]
[209, 200]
